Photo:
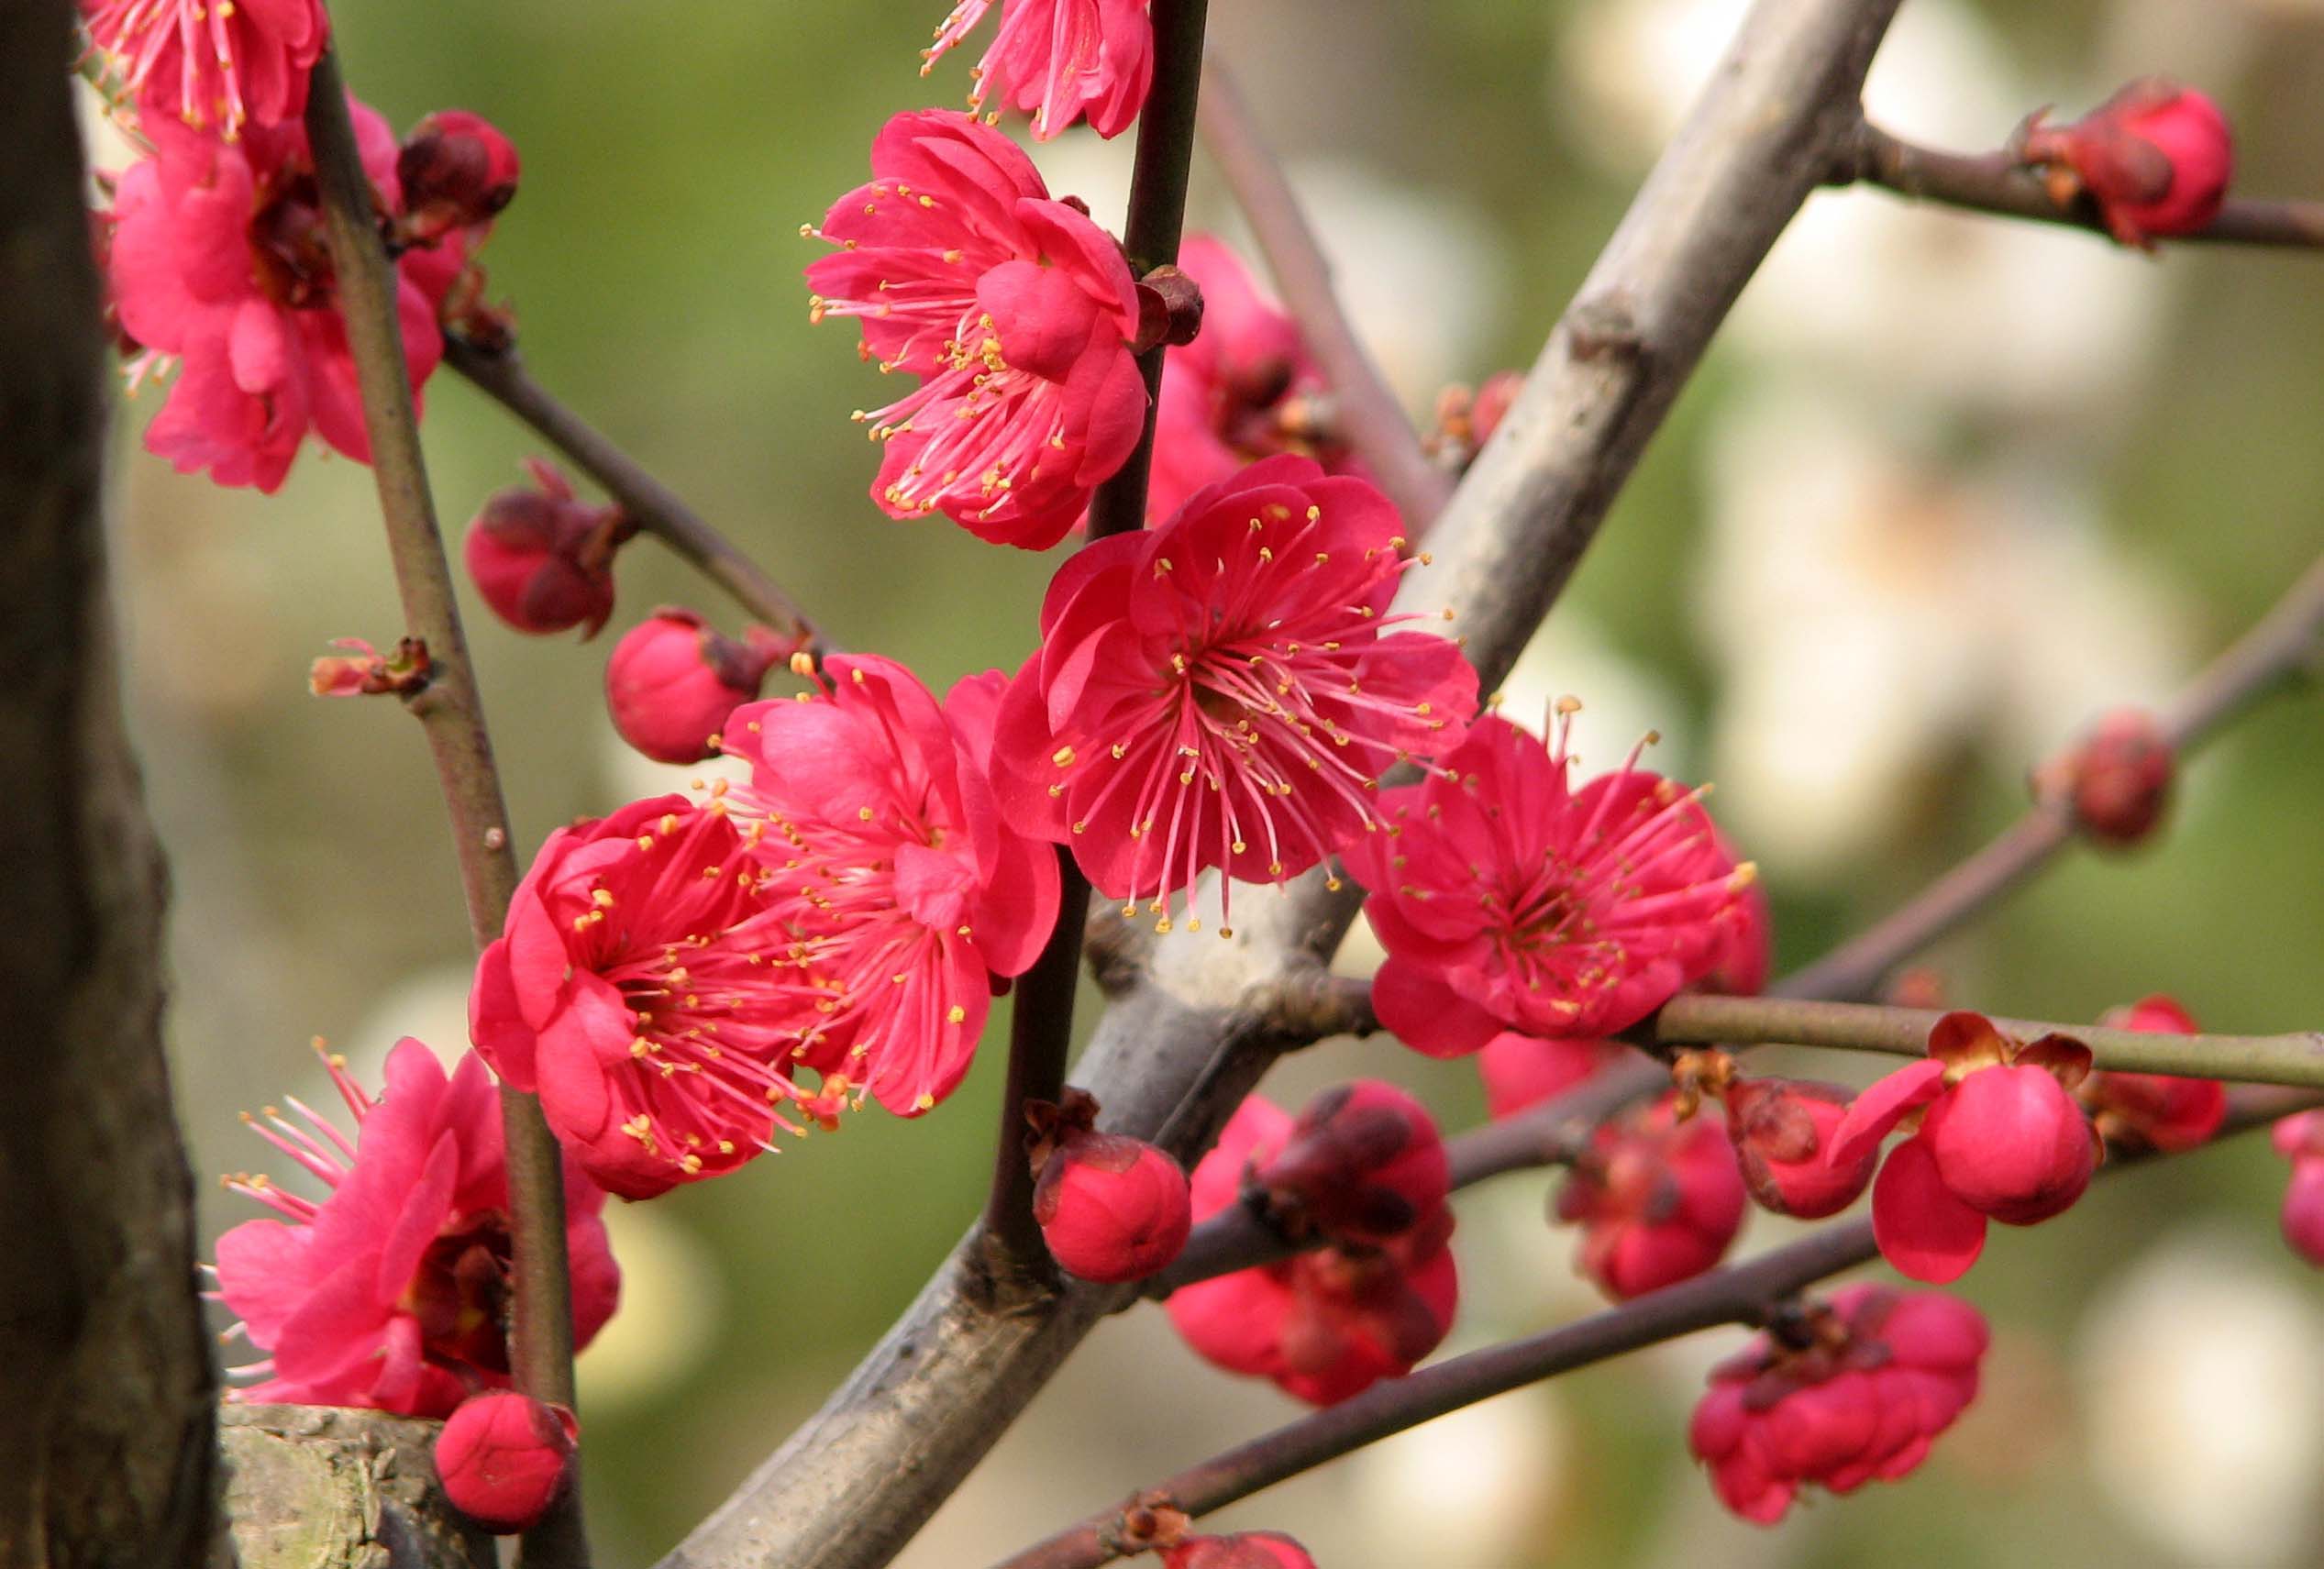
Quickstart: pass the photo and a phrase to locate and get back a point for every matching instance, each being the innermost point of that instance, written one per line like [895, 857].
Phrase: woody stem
[1041, 1024]
[451, 713]
[1995, 182]
[654, 506]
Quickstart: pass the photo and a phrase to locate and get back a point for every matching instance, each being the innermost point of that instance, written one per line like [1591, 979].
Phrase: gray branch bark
[318, 1487]
[105, 1441]
[1176, 1052]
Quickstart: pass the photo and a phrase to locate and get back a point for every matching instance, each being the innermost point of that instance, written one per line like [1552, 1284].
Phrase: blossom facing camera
[1363, 1163]
[1783, 1129]
[1521, 1071]
[1244, 389]
[392, 1292]
[458, 171]
[631, 992]
[899, 888]
[1245, 1550]
[2300, 1140]
[503, 1458]
[1510, 899]
[1112, 1208]
[1015, 311]
[1225, 691]
[2119, 779]
[1858, 1389]
[2157, 1110]
[1060, 60]
[212, 67]
[544, 561]
[2001, 1138]
[673, 681]
[2156, 157]
[1659, 1200]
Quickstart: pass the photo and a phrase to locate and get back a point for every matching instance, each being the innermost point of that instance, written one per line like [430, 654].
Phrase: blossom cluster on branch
[1230, 694]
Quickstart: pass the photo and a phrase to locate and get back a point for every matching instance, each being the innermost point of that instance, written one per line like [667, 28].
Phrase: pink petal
[1924, 1231]
[1881, 1107]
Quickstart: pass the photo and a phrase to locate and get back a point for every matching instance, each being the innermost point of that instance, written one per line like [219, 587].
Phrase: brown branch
[451, 713]
[108, 1454]
[311, 1487]
[656, 508]
[1995, 182]
[2285, 644]
[1737, 1294]
[1365, 410]
[1176, 1053]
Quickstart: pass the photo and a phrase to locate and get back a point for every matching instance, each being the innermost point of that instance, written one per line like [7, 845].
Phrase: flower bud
[544, 561]
[1521, 1071]
[1364, 1162]
[2119, 778]
[1245, 1550]
[2156, 157]
[1112, 1208]
[364, 671]
[2301, 1139]
[1659, 1200]
[503, 1458]
[456, 170]
[1782, 1130]
[2011, 1143]
[1169, 309]
[2159, 1111]
[671, 681]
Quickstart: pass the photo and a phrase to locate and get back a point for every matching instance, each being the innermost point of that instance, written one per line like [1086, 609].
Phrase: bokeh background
[1948, 489]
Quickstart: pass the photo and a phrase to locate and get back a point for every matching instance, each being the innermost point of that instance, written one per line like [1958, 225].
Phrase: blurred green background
[1949, 489]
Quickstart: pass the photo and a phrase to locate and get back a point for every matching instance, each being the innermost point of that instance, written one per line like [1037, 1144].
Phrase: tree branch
[657, 510]
[1995, 182]
[1176, 1053]
[108, 1454]
[451, 710]
[1736, 1294]
[2285, 644]
[1365, 410]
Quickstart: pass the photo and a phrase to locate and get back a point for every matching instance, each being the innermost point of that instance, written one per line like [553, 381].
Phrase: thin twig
[657, 509]
[1996, 183]
[1737, 1294]
[2294, 1061]
[1365, 409]
[2282, 645]
[451, 713]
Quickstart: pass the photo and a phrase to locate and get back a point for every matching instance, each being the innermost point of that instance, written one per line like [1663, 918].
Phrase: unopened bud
[673, 679]
[2119, 779]
[1783, 1133]
[456, 171]
[1365, 1163]
[1169, 309]
[1245, 1550]
[544, 561]
[1112, 1208]
[364, 671]
[2156, 157]
[504, 1457]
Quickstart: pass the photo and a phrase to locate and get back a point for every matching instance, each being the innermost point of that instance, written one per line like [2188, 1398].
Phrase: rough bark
[107, 1447]
[315, 1488]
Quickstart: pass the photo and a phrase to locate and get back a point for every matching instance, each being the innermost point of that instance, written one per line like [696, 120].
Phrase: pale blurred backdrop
[1947, 490]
